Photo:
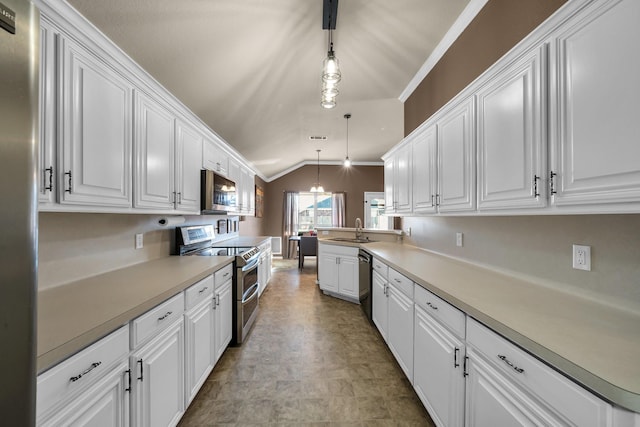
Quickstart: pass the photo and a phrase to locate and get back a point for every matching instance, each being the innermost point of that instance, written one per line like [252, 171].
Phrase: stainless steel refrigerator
[19, 35]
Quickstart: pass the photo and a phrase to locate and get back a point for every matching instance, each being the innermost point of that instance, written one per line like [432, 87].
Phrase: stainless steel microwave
[217, 193]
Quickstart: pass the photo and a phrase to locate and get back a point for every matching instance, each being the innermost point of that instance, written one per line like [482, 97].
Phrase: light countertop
[595, 344]
[72, 316]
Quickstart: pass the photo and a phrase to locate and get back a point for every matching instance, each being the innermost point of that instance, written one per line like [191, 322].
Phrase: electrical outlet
[325, 233]
[459, 239]
[139, 241]
[408, 231]
[582, 257]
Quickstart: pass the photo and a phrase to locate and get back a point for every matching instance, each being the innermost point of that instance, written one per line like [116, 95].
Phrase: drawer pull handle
[203, 289]
[225, 274]
[397, 280]
[93, 366]
[167, 314]
[510, 364]
[432, 306]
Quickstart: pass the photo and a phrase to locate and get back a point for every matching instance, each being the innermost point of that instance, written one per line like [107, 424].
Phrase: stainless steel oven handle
[252, 265]
[251, 293]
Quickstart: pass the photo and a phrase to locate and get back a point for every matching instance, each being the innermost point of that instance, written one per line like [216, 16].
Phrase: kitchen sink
[350, 240]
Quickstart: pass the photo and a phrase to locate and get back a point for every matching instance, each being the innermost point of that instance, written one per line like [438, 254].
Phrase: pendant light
[347, 161]
[330, 77]
[317, 188]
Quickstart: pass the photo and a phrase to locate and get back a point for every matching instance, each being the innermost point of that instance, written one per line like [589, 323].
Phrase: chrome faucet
[358, 228]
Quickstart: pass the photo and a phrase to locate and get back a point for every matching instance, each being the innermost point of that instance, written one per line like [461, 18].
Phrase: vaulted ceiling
[250, 69]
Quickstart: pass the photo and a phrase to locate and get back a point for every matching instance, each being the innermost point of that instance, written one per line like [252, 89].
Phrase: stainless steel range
[197, 240]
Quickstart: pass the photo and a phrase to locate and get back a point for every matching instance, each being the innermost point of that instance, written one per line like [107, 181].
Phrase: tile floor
[311, 360]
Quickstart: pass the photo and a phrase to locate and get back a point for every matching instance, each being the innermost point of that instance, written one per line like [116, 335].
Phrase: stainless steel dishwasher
[364, 282]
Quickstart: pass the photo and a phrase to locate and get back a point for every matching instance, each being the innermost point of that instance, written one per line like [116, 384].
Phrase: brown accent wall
[499, 26]
[354, 181]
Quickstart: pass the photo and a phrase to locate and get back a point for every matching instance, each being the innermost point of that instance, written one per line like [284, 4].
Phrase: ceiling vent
[317, 138]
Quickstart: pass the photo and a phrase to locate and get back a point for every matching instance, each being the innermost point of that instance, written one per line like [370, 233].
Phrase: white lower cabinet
[379, 310]
[199, 346]
[392, 313]
[438, 370]
[158, 379]
[508, 386]
[106, 403]
[338, 270]
[223, 304]
[89, 388]
[493, 400]
[400, 332]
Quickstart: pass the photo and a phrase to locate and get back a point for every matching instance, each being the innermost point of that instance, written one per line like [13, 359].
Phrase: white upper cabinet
[397, 178]
[425, 170]
[456, 159]
[96, 130]
[512, 137]
[188, 160]
[215, 158]
[154, 154]
[47, 184]
[595, 64]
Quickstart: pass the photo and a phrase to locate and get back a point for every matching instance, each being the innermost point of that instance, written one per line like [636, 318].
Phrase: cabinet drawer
[198, 292]
[224, 274]
[338, 249]
[380, 267]
[156, 319]
[401, 282]
[567, 399]
[80, 370]
[441, 310]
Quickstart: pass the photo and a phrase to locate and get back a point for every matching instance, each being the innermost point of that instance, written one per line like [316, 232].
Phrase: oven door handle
[253, 264]
[251, 293]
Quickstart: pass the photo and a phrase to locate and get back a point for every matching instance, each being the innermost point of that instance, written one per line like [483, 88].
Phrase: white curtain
[289, 220]
[338, 203]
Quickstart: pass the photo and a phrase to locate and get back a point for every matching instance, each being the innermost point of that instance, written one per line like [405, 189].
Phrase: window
[374, 212]
[314, 210]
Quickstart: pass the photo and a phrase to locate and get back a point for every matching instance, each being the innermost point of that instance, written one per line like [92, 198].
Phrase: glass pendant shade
[347, 162]
[331, 69]
[317, 188]
[328, 103]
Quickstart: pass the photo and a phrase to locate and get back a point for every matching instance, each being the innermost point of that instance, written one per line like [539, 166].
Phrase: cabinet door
[248, 184]
[188, 161]
[512, 136]
[379, 310]
[199, 347]
[154, 154]
[328, 272]
[158, 398]
[96, 131]
[214, 158]
[106, 403]
[456, 159]
[348, 276]
[224, 316]
[389, 183]
[47, 154]
[402, 181]
[595, 67]
[424, 170]
[437, 370]
[493, 400]
[400, 329]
